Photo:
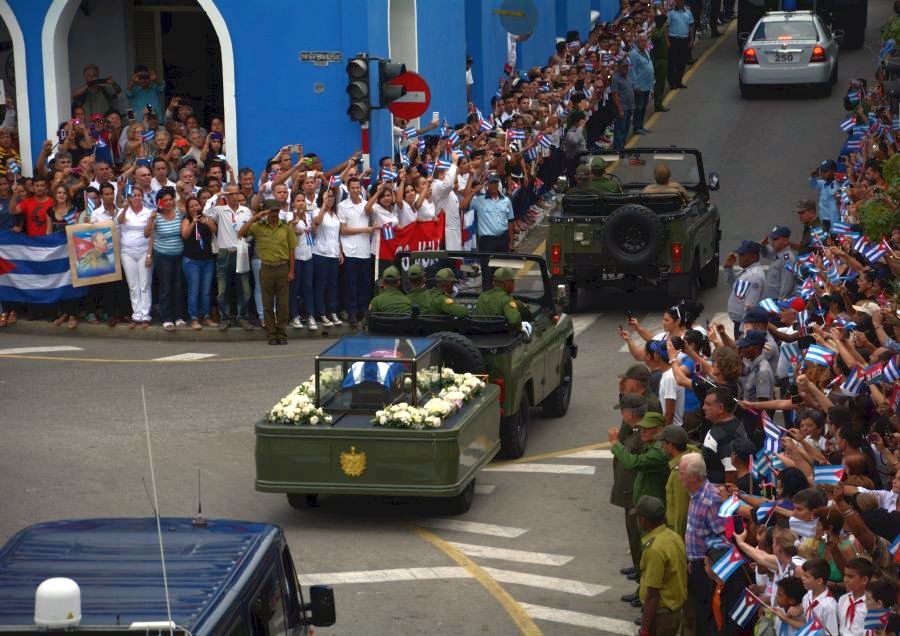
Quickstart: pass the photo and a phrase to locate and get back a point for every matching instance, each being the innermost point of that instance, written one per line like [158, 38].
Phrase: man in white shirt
[444, 196]
[103, 173]
[355, 243]
[160, 178]
[229, 219]
[111, 297]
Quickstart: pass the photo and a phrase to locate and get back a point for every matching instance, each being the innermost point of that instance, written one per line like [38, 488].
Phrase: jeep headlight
[579, 236]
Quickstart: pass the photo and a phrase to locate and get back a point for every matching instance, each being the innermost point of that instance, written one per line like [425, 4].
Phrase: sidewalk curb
[157, 333]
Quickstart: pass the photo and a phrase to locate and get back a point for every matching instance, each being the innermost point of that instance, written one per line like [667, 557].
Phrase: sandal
[11, 318]
[61, 319]
[132, 324]
[73, 321]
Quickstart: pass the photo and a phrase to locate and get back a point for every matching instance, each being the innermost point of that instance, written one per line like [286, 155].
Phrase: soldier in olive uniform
[441, 302]
[499, 302]
[391, 300]
[663, 570]
[595, 180]
[419, 295]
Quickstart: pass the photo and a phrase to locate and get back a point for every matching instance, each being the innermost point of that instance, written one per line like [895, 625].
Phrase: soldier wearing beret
[391, 300]
[663, 571]
[419, 295]
[442, 302]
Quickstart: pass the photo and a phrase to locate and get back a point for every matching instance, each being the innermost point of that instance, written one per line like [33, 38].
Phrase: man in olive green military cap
[651, 465]
[499, 302]
[594, 179]
[442, 302]
[419, 295]
[391, 300]
[663, 590]
[637, 380]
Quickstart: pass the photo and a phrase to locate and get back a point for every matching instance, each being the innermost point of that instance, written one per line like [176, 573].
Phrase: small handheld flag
[515, 134]
[765, 510]
[773, 433]
[769, 304]
[813, 628]
[410, 133]
[848, 124]
[828, 474]
[891, 372]
[876, 618]
[388, 175]
[853, 383]
[728, 564]
[895, 545]
[334, 181]
[148, 135]
[745, 609]
[310, 238]
[729, 506]
[817, 354]
[387, 231]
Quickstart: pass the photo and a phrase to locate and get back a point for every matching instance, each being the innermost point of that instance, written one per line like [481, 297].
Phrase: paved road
[73, 442]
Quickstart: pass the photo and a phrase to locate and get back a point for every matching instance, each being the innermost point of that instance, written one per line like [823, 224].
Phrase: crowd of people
[163, 178]
[759, 465]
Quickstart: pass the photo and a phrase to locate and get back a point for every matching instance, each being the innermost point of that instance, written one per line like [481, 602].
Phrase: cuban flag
[828, 474]
[832, 272]
[728, 564]
[762, 465]
[741, 287]
[443, 164]
[148, 135]
[769, 304]
[410, 133]
[387, 231]
[875, 253]
[420, 144]
[334, 181]
[745, 609]
[310, 238]
[485, 125]
[543, 141]
[802, 318]
[765, 510]
[818, 234]
[895, 545]
[470, 230]
[384, 373]
[877, 619]
[515, 134]
[730, 506]
[845, 324]
[452, 137]
[841, 229]
[813, 628]
[531, 154]
[89, 206]
[891, 371]
[773, 433]
[388, 175]
[895, 123]
[848, 124]
[853, 145]
[404, 159]
[35, 269]
[589, 66]
[817, 354]
[860, 245]
[853, 383]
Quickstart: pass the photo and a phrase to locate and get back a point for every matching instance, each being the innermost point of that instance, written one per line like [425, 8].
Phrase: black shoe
[273, 341]
[662, 109]
[630, 598]
[637, 603]
[634, 576]
[282, 341]
[627, 571]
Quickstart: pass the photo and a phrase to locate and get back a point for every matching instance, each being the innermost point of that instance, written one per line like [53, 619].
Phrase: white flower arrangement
[457, 389]
[299, 407]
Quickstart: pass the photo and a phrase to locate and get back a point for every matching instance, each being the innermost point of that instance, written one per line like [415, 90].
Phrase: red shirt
[35, 215]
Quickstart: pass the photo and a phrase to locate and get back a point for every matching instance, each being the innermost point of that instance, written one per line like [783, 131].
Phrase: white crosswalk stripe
[185, 357]
[484, 489]
[569, 586]
[579, 619]
[384, 576]
[23, 350]
[505, 554]
[584, 322]
[597, 453]
[559, 469]
[475, 527]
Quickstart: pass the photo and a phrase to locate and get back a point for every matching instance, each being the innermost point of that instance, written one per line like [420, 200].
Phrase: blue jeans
[620, 129]
[326, 279]
[357, 286]
[198, 274]
[171, 291]
[640, 107]
[302, 288]
[226, 279]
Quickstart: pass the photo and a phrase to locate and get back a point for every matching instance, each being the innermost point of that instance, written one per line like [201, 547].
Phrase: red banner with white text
[415, 237]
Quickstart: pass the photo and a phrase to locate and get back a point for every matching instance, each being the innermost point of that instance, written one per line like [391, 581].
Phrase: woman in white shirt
[424, 205]
[327, 259]
[405, 198]
[380, 210]
[137, 260]
[302, 287]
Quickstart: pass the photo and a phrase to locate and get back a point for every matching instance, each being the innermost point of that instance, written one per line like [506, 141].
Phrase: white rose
[328, 419]
[382, 420]
[314, 420]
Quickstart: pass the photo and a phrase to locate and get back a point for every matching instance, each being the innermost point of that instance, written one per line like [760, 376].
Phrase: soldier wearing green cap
[419, 295]
[592, 179]
[651, 465]
[663, 590]
[499, 301]
[442, 302]
[391, 300]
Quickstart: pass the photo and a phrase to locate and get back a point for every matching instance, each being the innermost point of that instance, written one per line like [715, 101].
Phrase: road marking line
[590, 454]
[557, 469]
[146, 361]
[556, 584]
[383, 576]
[185, 357]
[583, 323]
[504, 554]
[484, 489]
[475, 527]
[4, 352]
[519, 616]
[579, 619]
[552, 454]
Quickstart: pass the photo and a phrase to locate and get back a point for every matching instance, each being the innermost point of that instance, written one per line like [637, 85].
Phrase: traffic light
[358, 88]
[388, 92]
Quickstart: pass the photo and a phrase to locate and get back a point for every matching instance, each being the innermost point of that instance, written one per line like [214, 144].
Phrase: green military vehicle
[643, 235]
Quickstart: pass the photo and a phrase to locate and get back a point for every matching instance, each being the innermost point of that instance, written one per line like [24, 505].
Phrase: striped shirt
[703, 521]
[167, 236]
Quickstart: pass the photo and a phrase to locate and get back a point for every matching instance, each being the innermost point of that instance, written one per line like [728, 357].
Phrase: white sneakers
[296, 323]
[312, 324]
[336, 321]
[325, 322]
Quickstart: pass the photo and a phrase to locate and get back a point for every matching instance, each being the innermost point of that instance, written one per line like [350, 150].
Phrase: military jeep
[633, 239]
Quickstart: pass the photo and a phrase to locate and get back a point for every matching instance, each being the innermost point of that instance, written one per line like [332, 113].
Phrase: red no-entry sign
[417, 97]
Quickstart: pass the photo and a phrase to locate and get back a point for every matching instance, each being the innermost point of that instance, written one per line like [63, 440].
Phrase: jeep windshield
[635, 168]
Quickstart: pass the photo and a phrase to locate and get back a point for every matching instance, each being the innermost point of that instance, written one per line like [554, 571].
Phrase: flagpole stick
[377, 254]
[751, 474]
[821, 622]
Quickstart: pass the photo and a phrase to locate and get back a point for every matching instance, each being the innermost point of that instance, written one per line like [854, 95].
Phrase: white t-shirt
[445, 199]
[97, 184]
[846, 627]
[303, 251]
[426, 211]
[824, 607]
[669, 390]
[405, 213]
[100, 215]
[132, 237]
[156, 186]
[229, 222]
[353, 215]
[381, 217]
[328, 237]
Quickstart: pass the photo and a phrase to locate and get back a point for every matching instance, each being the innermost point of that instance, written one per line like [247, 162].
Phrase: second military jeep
[633, 239]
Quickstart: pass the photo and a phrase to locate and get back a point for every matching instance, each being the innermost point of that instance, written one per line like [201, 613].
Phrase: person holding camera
[96, 95]
[144, 92]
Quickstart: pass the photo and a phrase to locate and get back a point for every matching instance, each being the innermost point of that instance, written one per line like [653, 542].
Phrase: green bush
[891, 30]
[877, 219]
[890, 169]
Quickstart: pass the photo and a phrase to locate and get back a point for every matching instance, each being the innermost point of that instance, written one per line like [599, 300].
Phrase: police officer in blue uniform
[776, 247]
[746, 287]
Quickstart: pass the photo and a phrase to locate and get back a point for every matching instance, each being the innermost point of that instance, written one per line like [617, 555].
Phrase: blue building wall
[275, 93]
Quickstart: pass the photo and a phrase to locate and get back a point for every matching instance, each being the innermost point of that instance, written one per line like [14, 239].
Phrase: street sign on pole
[518, 17]
[417, 97]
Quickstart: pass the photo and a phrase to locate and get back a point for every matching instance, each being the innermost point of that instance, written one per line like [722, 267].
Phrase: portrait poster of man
[93, 253]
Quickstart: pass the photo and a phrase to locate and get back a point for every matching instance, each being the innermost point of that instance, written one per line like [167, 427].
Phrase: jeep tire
[633, 236]
[459, 353]
[514, 430]
[461, 503]
[557, 403]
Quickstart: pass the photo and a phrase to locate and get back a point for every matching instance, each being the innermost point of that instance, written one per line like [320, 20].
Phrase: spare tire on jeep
[633, 236]
[459, 353]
